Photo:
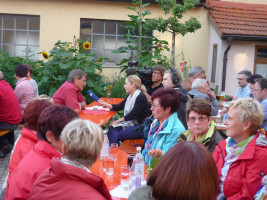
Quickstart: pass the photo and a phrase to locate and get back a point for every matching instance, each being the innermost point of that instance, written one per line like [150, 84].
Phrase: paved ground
[4, 163]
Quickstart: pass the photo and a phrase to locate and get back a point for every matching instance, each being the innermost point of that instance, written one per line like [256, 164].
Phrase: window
[105, 36]
[260, 66]
[214, 61]
[17, 32]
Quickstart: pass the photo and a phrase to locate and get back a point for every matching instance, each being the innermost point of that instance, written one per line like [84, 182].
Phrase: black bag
[145, 127]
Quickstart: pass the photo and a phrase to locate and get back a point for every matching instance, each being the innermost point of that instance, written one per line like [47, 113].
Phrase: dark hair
[21, 70]
[76, 73]
[168, 97]
[29, 68]
[187, 171]
[54, 118]
[251, 79]
[159, 68]
[262, 82]
[200, 106]
[32, 112]
[247, 73]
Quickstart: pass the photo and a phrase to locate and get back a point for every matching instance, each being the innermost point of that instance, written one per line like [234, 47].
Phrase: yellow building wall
[60, 20]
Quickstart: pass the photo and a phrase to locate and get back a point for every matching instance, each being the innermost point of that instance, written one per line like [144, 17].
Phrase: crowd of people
[56, 149]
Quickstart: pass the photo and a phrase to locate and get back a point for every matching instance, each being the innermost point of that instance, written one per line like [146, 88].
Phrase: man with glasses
[194, 73]
[260, 93]
[157, 77]
[243, 90]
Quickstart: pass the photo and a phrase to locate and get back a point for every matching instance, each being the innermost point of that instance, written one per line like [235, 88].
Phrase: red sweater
[63, 181]
[9, 105]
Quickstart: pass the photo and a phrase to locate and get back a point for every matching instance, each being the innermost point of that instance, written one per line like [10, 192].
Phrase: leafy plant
[141, 40]
[63, 58]
[7, 64]
[175, 12]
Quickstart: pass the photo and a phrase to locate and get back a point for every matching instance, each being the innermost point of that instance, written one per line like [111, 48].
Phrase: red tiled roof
[238, 18]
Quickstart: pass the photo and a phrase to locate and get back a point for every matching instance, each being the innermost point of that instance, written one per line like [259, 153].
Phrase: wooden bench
[5, 132]
[129, 146]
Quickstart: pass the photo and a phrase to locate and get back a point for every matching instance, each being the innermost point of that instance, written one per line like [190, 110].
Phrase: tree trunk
[173, 49]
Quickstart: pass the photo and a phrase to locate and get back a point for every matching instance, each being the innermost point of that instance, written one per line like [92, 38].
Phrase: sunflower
[45, 55]
[83, 57]
[87, 45]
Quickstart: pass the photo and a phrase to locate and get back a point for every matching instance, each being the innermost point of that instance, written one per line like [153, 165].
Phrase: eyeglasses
[256, 90]
[200, 119]
[155, 106]
[241, 79]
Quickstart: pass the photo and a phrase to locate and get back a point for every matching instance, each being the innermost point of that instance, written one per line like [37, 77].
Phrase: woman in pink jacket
[241, 159]
[70, 177]
[28, 137]
[50, 124]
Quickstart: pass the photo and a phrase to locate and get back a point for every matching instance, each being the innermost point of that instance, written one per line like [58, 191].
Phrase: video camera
[144, 74]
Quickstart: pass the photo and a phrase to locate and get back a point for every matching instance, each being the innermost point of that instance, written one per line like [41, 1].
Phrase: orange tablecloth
[111, 181]
[98, 117]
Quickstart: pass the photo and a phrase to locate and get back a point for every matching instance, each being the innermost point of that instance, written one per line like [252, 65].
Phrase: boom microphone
[92, 95]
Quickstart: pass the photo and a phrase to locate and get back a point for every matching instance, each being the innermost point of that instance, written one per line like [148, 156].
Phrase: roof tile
[238, 18]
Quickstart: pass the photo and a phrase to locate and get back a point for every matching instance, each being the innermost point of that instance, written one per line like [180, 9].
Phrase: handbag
[145, 127]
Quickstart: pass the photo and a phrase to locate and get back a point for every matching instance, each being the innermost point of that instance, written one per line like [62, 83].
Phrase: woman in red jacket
[70, 177]
[241, 159]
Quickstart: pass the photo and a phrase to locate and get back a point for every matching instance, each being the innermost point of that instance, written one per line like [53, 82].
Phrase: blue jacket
[166, 138]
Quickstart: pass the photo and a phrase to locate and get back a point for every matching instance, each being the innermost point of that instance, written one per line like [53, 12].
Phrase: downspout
[229, 39]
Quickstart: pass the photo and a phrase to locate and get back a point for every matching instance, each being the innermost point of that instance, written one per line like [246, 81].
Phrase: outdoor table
[100, 116]
[111, 181]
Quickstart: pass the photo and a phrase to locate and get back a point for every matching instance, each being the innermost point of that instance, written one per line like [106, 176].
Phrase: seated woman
[186, 171]
[28, 136]
[50, 124]
[200, 126]
[70, 177]
[166, 127]
[136, 109]
[241, 159]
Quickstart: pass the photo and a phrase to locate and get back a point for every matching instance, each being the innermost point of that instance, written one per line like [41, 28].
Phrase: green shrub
[63, 58]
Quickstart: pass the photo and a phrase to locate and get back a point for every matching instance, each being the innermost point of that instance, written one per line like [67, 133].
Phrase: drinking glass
[125, 170]
[130, 159]
[114, 148]
[109, 164]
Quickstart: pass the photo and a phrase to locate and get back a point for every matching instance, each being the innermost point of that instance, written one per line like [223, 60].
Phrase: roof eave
[244, 37]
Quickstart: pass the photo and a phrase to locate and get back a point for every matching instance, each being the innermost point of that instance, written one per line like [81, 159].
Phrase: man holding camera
[157, 77]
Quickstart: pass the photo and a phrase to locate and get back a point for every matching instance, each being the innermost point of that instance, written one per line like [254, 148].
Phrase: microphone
[92, 95]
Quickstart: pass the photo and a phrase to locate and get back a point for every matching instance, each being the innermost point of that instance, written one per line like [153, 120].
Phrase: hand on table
[104, 104]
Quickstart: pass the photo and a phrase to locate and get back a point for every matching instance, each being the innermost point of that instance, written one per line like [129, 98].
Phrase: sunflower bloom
[87, 45]
[45, 55]
[83, 57]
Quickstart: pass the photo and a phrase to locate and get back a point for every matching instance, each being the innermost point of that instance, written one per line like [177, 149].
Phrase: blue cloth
[214, 103]
[166, 138]
[264, 105]
[243, 92]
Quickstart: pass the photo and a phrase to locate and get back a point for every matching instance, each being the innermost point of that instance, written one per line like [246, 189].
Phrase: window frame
[258, 60]
[15, 30]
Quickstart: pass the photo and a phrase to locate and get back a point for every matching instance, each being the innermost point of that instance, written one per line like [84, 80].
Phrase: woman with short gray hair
[70, 177]
[241, 159]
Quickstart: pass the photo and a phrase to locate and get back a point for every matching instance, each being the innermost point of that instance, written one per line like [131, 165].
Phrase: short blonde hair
[45, 97]
[250, 110]
[83, 141]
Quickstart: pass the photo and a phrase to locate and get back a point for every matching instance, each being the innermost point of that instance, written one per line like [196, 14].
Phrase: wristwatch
[120, 120]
